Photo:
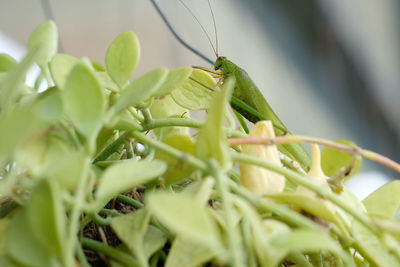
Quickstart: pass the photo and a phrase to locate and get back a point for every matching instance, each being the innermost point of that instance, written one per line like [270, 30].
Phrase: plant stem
[74, 217]
[146, 115]
[173, 152]
[236, 255]
[294, 139]
[182, 122]
[285, 213]
[130, 201]
[158, 123]
[81, 255]
[134, 113]
[298, 179]
[111, 148]
[114, 253]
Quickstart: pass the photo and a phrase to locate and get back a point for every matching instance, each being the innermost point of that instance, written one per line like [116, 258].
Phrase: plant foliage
[102, 169]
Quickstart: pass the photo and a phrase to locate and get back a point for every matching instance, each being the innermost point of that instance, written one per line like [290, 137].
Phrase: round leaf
[44, 38]
[84, 101]
[192, 94]
[124, 176]
[185, 216]
[60, 67]
[6, 62]
[122, 57]
[141, 89]
[23, 246]
[45, 215]
[333, 160]
[177, 169]
[385, 201]
[174, 79]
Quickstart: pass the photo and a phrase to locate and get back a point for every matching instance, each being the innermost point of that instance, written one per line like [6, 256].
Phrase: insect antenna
[202, 28]
[215, 28]
[176, 35]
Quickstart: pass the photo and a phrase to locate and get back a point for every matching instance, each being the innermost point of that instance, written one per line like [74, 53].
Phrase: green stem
[74, 218]
[158, 123]
[81, 256]
[97, 219]
[236, 254]
[111, 252]
[146, 115]
[173, 152]
[111, 148]
[182, 122]
[110, 212]
[298, 179]
[130, 201]
[136, 115]
[285, 213]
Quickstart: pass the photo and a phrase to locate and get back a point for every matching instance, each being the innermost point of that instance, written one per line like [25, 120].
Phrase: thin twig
[294, 139]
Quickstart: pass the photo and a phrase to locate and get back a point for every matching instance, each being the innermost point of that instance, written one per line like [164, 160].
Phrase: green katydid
[247, 99]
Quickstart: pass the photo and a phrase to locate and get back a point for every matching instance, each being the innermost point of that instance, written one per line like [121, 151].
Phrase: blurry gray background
[330, 68]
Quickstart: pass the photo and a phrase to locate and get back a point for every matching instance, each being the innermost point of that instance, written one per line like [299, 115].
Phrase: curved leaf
[141, 89]
[211, 142]
[192, 94]
[44, 38]
[176, 211]
[122, 57]
[122, 177]
[45, 215]
[61, 66]
[6, 62]
[24, 247]
[174, 79]
[333, 160]
[84, 101]
[385, 201]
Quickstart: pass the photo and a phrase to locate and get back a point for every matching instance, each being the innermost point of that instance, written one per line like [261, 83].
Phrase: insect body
[247, 98]
[248, 92]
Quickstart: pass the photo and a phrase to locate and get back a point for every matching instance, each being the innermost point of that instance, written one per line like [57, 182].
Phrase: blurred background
[330, 68]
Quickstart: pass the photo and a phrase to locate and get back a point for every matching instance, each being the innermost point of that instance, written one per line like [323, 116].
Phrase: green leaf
[177, 169]
[211, 142]
[333, 160]
[187, 253]
[153, 240]
[176, 211]
[44, 38]
[174, 79]
[16, 128]
[124, 176]
[84, 101]
[10, 85]
[310, 241]
[385, 201]
[165, 107]
[371, 247]
[6, 62]
[367, 243]
[141, 89]
[48, 106]
[61, 66]
[192, 94]
[23, 246]
[267, 254]
[122, 57]
[307, 202]
[131, 229]
[68, 169]
[45, 216]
